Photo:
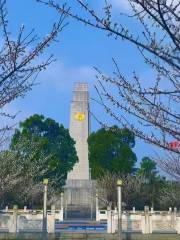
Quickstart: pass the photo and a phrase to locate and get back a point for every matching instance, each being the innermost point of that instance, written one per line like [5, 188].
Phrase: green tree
[153, 182]
[52, 140]
[111, 150]
[147, 169]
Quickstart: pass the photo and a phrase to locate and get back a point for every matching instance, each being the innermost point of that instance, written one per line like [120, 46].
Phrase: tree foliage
[147, 169]
[111, 150]
[20, 174]
[153, 182]
[53, 140]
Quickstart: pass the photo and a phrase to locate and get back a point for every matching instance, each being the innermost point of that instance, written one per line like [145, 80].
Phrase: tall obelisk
[79, 130]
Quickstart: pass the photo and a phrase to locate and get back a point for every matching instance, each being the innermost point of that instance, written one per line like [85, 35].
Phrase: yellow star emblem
[80, 116]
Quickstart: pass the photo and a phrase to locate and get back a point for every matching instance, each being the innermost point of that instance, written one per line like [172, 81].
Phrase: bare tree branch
[19, 59]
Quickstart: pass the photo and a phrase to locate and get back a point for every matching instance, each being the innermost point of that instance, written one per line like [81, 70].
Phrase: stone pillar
[134, 210]
[109, 221]
[177, 225]
[61, 212]
[62, 195]
[13, 227]
[91, 210]
[6, 209]
[175, 214]
[25, 208]
[170, 210]
[174, 217]
[146, 221]
[65, 209]
[115, 211]
[51, 220]
[97, 208]
[119, 204]
[114, 219]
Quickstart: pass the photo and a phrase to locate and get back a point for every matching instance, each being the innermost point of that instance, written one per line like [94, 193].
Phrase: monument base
[79, 198]
[79, 192]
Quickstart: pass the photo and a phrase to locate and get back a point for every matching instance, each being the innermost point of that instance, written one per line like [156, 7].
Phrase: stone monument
[79, 130]
[78, 192]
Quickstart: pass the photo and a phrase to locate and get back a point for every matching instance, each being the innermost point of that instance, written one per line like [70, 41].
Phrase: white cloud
[52, 95]
[121, 4]
[62, 76]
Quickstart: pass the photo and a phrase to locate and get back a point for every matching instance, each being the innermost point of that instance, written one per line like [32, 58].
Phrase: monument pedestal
[79, 192]
[79, 198]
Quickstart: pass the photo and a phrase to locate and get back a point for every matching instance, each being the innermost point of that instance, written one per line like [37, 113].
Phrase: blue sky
[78, 50]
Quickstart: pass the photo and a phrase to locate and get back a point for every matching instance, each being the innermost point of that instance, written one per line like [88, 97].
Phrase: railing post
[62, 194]
[13, 228]
[134, 210]
[65, 209]
[119, 198]
[61, 212]
[45, 183]
[170, 210]
[6, 209]
[177, 228]
[51, 220]
[146, 221]
[109, 220]
[97, 207]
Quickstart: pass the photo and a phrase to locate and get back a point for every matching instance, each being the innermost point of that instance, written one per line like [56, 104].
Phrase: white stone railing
[145, 222]
[16, 220]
